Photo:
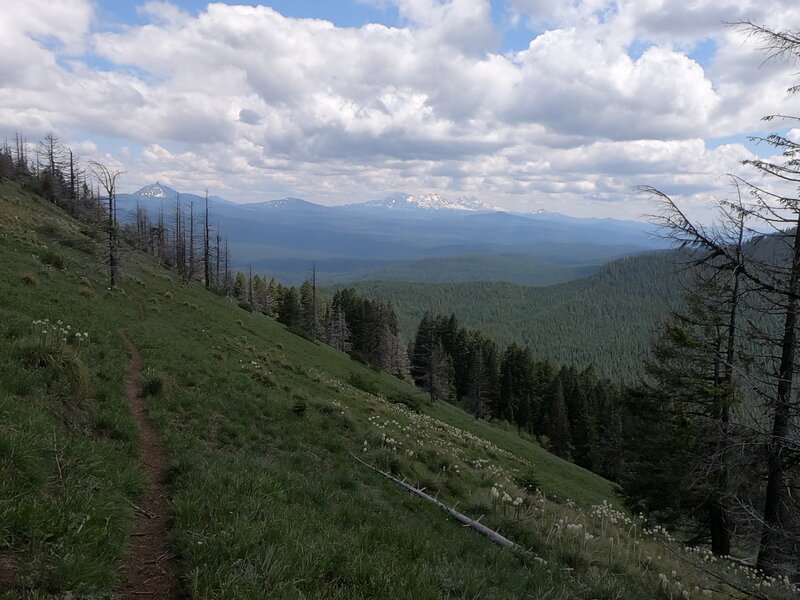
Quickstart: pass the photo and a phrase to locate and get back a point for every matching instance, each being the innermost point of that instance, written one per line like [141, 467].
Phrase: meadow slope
[259, 426]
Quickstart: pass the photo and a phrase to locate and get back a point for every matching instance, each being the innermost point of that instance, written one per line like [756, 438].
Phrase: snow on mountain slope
[403, 201]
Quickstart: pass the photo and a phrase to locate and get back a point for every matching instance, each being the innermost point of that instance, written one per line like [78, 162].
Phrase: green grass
[259, 425]
[555, 476]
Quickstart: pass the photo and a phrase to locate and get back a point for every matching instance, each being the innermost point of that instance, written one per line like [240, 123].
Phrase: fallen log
[460, 517]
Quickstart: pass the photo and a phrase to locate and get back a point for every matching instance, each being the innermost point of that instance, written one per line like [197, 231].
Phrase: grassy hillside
[605, 319]
[259, 425]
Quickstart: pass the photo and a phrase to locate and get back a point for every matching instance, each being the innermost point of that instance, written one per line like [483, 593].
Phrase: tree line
[183, 240]
[52, 171]
[571, 411]
[365, 329]
[708, 439]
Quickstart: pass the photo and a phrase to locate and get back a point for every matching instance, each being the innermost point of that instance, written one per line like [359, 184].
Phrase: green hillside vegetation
[605, 320]
[259, 425]
[516, 268]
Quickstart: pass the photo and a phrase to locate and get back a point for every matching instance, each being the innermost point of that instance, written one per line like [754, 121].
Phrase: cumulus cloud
[247, 101]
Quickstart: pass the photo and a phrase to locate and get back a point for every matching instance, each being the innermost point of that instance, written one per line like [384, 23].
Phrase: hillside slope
[259, 425]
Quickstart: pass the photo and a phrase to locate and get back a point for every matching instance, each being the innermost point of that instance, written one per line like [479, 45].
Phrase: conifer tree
[339, 332]
[479, 390]
[516, 397]
[240, 287]
[558, 430]
[290, 311]
[399, 363]
[436, 375]
[424, 342]
[206, 247]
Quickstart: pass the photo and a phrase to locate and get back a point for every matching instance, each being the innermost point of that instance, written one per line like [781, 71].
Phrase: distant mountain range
[402, 201]
[399, 201]
[284, 237]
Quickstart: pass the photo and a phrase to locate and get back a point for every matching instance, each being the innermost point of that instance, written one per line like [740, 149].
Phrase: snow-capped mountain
[403, 201]
[156, 190]
[285, 235]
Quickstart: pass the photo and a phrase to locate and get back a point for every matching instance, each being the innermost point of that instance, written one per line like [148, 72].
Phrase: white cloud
[67, 22]
[245, 101]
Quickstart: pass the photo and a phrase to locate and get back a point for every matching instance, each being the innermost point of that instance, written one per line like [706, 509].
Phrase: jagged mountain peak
[156, 190]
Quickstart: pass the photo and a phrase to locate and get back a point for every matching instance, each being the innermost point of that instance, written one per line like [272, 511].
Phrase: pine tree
[479, 394]
[515, 402]
[290, 311]
[310, 305]
[399, 363]
[424, 342]
[339, 332]
[776, 280]
[436, 376]
[240, 287]
[558, 430]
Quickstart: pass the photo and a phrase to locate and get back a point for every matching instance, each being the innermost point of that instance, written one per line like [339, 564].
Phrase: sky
[561, 105]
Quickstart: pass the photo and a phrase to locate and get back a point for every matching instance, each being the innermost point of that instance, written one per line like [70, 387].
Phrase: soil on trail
[149, 569]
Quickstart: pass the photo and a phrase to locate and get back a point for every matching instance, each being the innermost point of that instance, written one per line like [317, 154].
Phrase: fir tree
[558, 430]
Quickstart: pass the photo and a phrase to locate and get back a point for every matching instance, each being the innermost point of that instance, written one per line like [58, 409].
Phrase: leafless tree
[107, 179]
[206, 248]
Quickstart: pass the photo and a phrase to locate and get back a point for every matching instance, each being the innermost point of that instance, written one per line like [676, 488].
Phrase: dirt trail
[149, 569]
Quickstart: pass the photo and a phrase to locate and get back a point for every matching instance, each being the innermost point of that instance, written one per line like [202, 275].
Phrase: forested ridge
[514, 268]
[605, 320]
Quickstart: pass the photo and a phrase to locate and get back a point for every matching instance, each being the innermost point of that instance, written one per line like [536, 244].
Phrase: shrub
[301, 332]
[245, 306]
[30, 280]
[54, 259]
[63, 364]
[527, 480]
[413, 400]
[359, 381]
[299, 407]
[265, 378]
[81, 244]
[359, 358]
[152, 385]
